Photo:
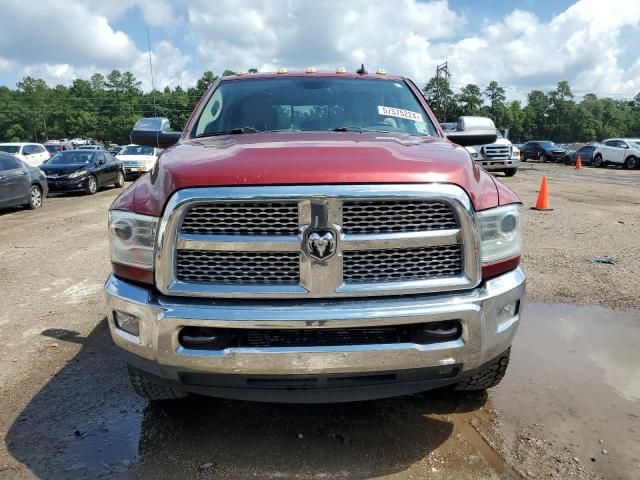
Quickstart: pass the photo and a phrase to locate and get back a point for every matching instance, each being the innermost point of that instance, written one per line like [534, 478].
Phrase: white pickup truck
[499, 156]
[618, 151]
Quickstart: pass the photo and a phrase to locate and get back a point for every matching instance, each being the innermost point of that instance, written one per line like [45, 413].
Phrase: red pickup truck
[313, 237]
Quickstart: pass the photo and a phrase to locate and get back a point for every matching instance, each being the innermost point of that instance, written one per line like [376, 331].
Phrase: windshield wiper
[358, 129]
[233, 131]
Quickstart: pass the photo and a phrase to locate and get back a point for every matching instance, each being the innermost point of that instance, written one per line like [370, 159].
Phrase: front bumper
[226, 373]
[67, 185]
[498, 164]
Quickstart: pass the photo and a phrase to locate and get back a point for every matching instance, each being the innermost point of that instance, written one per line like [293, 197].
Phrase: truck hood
[308, 158]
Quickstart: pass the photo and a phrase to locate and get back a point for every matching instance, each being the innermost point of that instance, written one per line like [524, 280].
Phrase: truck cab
[313, 237]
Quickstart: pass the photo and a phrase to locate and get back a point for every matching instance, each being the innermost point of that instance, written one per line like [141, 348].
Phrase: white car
[137, 159]
[33, 154]
[617, 151]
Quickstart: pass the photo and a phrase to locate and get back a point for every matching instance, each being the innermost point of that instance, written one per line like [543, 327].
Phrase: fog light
[508, 311]
[127, 322]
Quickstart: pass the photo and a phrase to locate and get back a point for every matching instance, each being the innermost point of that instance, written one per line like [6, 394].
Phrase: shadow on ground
[86, 422]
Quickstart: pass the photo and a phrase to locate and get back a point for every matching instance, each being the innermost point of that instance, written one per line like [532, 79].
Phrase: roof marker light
[381, 71]
[282, 71]
[341, 70]
[311, 70]
[241, 72]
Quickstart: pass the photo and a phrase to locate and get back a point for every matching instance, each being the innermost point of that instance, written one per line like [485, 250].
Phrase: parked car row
[28, 172]
[623, 152]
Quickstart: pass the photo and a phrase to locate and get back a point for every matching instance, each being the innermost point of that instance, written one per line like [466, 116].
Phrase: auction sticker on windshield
[400, 113]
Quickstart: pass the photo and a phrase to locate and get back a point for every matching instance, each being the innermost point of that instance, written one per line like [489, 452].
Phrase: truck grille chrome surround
[389, 240]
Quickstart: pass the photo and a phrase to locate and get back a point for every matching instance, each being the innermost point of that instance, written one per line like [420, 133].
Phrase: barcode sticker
[400, 113]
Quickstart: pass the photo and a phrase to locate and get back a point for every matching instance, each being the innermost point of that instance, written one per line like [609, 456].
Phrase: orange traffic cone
[578, 163]
[543, 197]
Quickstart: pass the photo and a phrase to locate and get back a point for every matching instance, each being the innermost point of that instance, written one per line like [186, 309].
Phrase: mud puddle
[574, 384]
[572, 391]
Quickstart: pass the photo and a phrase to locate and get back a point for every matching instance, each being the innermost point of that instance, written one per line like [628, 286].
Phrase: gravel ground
[571, 392]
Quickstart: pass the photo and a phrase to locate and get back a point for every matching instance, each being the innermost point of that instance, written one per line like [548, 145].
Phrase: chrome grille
[268, 218]
[497, 152]
[253, 242]
[368, 217]
[403, 264]
[226, 268]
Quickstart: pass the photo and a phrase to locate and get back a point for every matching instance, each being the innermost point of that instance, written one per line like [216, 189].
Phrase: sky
[522, 44]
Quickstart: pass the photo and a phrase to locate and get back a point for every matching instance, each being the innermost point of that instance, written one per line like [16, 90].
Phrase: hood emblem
[320, 244]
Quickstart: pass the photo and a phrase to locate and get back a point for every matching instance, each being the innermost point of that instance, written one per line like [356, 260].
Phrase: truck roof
[300, 73]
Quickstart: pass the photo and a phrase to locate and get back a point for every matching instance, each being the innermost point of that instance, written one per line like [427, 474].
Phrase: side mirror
[472, 131]
[154, 132]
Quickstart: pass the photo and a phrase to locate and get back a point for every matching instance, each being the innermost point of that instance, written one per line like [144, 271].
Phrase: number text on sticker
[400, 113]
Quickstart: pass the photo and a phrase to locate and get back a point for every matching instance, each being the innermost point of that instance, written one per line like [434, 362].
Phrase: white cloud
[585, 44]
[580, 45]
[60, 31]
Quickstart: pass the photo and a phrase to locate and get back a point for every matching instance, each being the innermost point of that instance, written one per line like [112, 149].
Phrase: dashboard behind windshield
[313, 104]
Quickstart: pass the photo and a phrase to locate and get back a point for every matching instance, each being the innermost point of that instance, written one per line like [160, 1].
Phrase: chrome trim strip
[237, 243]
[317, 279]
[381, 241]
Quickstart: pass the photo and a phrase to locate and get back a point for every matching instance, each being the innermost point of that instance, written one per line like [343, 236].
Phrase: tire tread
[487, 378]
[150, 390]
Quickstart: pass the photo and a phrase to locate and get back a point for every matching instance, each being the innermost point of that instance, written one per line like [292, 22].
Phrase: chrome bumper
[161, 318]
[493, 164]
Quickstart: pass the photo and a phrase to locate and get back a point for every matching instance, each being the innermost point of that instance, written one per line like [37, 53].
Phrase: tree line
[105, 107]
[554, 115]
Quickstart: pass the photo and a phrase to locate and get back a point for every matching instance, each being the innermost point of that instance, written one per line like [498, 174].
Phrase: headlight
[515, 152]
[132, 239]
[80, 173]
[473, 152]
[500, 236]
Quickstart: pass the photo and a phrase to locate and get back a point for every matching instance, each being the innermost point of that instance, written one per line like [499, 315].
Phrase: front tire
[92, 185]
[510, 172]
[597, 161]
[35, 197]
[150, 390]
[120, 181]
[631, 163]
[488, 377]
[543, 158]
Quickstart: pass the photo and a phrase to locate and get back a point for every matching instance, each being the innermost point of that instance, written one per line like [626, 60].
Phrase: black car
[21, 184]
[586, 155]
[542, 150]
[115, 149]
[84, 170]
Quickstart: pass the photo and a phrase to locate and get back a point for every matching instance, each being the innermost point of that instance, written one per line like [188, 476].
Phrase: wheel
[510, 172]
[489, 377]
[92, 185]
[568, 160]
[597, 161]
[120, 181]
[544, 158]
[35, 197]
[523, 158]
[631, 163]
[150, 390]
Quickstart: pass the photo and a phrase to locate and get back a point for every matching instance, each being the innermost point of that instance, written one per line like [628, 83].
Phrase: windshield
[549, 145]
[499, 134]
[313, 104]
[9, 148]
[136, 150]
[634, 143]
[53, 148]
[71, 157]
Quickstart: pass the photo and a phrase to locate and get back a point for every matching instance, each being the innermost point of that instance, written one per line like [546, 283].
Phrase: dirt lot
[568, 408]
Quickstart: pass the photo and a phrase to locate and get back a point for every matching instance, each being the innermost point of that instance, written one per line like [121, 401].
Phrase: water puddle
[575, 377]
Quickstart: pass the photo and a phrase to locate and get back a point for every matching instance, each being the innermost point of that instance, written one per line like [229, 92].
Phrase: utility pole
[442, 72]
